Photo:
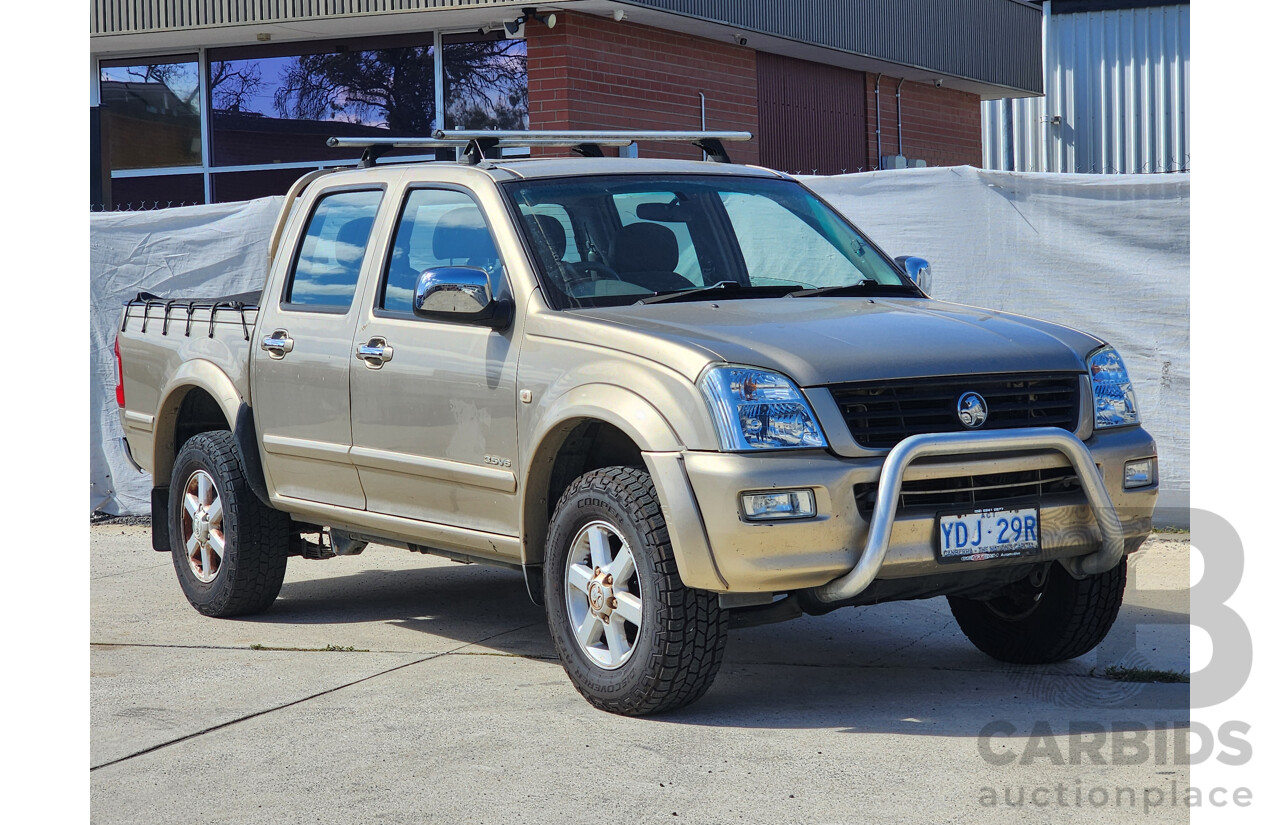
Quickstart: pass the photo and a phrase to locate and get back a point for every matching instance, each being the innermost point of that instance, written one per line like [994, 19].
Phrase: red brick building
[196, 102]
[594, 73]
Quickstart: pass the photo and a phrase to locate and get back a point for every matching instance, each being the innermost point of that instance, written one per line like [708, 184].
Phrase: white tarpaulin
[189, 252]
[1106, 254]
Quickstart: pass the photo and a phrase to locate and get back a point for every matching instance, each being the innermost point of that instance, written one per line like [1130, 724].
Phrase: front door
[302, 366]
[433, 418]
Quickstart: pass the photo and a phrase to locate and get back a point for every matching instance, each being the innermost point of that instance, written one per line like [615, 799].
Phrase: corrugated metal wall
[1118, 83]
[123, 16]
[813, 118]
[993, 41]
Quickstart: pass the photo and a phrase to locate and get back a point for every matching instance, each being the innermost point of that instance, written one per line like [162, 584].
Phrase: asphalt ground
[450, 706]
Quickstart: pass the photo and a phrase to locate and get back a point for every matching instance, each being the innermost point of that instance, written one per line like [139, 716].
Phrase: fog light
[1141, 473]
[778, 504]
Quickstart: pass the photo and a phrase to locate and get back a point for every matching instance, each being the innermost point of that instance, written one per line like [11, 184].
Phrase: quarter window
[333, 249]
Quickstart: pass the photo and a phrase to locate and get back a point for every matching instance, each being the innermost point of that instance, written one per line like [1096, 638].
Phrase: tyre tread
[692, 630]
[261, 538]
[1089, 608]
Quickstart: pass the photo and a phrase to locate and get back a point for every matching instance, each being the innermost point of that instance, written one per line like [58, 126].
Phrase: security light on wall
[527, 14]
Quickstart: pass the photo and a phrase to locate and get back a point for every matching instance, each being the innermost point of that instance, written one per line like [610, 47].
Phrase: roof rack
[479, 145]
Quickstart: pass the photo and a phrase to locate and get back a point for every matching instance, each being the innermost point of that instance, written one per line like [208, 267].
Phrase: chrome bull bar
[954, 444]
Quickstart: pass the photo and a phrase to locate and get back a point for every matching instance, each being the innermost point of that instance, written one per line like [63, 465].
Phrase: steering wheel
[581, 272]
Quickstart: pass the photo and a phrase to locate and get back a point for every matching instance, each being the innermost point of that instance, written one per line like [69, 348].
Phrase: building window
[486, 84]
[281, 108]
[271, 108]
[151, 113]
[144, 192]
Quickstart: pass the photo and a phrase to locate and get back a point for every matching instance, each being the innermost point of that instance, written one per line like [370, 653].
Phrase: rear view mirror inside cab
[674, 212]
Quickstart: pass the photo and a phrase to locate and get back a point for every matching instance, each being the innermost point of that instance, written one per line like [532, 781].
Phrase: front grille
[972, 491]
[881, 414]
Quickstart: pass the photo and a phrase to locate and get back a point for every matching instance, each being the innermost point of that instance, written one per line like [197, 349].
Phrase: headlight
[757, 409]
[1114, 402]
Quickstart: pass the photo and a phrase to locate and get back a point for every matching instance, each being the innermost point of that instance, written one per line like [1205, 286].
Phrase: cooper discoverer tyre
[632, 638]
[229, 549]
[1048, 620]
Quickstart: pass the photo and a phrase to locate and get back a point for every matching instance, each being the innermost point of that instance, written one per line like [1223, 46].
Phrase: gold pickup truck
[676, 395]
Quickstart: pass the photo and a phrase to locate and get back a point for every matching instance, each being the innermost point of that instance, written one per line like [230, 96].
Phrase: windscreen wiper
[867, 286]
[702, 293]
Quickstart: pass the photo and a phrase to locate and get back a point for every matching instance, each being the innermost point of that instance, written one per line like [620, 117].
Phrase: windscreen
[611, 240]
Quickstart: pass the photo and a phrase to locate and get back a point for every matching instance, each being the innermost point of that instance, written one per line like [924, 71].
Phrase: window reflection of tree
[392, 88]
[179, 79]
[234, 85]
[486, 85]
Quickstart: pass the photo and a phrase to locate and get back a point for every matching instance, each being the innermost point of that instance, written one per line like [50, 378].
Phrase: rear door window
[327, 269]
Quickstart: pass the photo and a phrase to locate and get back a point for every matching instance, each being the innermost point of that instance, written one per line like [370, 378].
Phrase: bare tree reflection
[234, 85]
[485, 87]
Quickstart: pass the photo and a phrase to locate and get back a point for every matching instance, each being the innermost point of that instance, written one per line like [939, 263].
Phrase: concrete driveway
[453, 708]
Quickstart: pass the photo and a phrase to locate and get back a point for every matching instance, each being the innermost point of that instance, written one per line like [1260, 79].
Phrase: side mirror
[460, 294]
[917, 270]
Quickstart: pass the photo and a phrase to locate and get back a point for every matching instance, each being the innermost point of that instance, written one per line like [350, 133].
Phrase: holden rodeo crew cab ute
[676, 395]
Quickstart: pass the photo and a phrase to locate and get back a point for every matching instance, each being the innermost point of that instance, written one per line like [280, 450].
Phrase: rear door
[301, 377]
[433, 424]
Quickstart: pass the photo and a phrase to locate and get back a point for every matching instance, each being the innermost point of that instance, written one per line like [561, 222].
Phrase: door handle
[375, 353]
[278, 344]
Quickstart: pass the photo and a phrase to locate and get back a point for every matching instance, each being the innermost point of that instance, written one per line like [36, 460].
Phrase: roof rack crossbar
[593, 136]
[477, 145]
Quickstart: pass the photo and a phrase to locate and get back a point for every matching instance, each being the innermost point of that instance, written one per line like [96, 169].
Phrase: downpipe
[926, 445]
[879, 148]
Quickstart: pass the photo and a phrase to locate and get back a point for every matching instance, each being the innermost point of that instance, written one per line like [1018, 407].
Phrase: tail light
[119, 375]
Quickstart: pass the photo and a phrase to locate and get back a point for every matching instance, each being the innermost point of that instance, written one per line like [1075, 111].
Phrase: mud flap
[246, 437]
[533, 582]
[160, 519]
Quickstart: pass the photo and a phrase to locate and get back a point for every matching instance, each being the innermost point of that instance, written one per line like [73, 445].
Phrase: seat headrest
[461, 233]
[646, 247]
[550, 231]
[352, 237]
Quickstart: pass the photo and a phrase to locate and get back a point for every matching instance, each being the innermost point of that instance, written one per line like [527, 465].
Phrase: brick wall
[594, 73]
[942, 126]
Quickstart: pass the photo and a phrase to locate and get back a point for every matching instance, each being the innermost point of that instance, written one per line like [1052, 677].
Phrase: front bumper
[717, 549]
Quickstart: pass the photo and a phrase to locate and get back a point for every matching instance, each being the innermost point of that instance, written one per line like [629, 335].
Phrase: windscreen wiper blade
[863, 287]
[691, 294]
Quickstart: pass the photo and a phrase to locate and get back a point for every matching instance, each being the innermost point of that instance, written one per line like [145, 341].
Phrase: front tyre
[633, 639]
[1049, 617]
[229, 549]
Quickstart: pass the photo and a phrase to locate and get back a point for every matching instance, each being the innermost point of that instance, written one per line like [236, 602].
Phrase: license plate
[996, 533]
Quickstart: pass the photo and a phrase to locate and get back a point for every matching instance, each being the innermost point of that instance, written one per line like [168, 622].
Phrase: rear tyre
[229, 549]
[633, 639]
[1044, 618]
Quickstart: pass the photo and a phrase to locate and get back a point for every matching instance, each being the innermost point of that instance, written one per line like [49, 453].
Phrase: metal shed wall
[1118, 80]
